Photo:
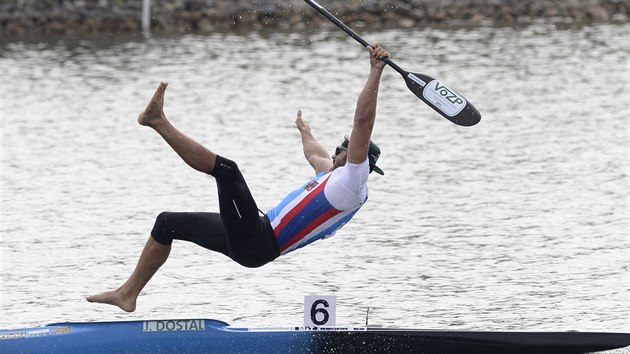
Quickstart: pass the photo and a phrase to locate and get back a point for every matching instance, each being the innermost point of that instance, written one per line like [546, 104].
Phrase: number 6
[322, 310]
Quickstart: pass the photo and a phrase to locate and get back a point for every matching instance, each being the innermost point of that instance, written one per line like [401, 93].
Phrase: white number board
[320, 311]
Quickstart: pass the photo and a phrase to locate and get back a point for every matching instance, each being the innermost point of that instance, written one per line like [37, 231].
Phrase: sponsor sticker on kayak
[330, 329]
[36, 333]
[173, 325]
[12, 335]
[62, 330]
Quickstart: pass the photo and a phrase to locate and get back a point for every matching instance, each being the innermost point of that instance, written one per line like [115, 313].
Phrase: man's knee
[224, 168]
[163, 231]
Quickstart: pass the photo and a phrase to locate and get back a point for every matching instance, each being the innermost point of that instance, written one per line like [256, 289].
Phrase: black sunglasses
[343, 146]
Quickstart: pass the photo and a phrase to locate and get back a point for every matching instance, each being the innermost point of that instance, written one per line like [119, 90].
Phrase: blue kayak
[212, 336]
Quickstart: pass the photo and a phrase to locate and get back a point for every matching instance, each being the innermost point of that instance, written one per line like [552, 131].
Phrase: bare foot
[154, 113]
[114, 298]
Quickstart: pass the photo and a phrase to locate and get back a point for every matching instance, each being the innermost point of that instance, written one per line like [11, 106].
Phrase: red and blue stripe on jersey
[305, 216]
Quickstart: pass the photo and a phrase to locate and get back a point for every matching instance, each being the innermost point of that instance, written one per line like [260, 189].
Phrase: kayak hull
[212, 336]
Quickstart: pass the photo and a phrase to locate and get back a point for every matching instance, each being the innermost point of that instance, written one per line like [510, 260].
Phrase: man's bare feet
[114, 298]
[154, 113]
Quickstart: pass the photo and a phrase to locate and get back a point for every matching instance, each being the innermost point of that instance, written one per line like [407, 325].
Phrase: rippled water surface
[520, 222]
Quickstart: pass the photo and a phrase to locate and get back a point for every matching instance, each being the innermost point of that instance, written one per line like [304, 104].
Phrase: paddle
[444, 100]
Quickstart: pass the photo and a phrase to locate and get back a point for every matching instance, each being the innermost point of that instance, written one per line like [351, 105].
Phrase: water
[518, 223]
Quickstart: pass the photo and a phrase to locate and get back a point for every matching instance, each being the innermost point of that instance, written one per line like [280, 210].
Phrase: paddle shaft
[437, 95]
[351, 32]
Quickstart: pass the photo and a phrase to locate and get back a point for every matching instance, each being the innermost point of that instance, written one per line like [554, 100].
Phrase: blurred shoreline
[23, 17]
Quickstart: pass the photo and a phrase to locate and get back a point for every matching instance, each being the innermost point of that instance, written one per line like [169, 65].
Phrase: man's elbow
[364, 120]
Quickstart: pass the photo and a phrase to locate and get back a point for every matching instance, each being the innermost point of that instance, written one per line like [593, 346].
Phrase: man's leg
[152, 258]
[193, 153]
[155, 254]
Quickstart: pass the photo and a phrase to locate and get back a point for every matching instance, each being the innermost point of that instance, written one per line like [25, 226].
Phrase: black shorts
[238, 231]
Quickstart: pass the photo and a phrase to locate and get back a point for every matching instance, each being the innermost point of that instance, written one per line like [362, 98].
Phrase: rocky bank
[18, 17]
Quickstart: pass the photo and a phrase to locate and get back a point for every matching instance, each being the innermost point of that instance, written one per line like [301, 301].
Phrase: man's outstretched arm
[365, 113]
[314, 152]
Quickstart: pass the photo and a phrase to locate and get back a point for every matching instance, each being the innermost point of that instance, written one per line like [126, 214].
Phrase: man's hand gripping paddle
[435, 93]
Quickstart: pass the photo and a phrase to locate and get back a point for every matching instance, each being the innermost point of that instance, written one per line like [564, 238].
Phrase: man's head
[341, 155]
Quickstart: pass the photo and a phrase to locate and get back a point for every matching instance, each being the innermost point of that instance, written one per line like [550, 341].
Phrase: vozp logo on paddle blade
[444, 98]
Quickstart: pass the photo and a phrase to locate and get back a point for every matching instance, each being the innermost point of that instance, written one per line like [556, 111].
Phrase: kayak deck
[212, 336]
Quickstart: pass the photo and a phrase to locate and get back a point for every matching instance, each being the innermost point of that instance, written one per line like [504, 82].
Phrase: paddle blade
[443, 99]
